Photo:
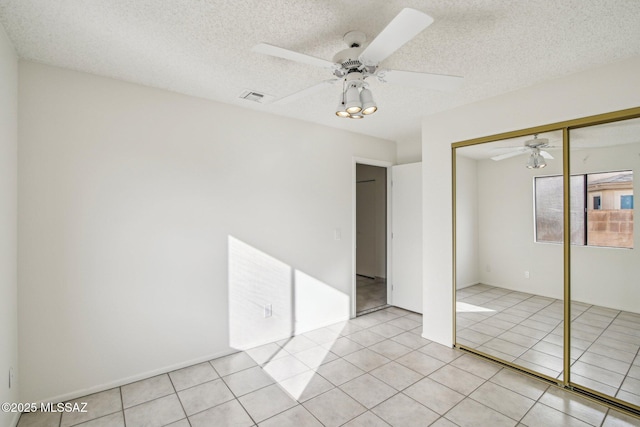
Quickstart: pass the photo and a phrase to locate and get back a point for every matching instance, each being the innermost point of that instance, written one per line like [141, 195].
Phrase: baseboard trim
[133, 378]
[301, 328]
[467, 285]
[16, 418]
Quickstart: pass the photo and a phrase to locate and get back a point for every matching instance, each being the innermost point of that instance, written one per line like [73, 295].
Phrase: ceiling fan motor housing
[355, 38]
[348, 60]
[537, 142]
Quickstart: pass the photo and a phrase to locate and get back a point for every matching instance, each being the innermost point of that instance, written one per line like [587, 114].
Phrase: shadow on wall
[269, 301]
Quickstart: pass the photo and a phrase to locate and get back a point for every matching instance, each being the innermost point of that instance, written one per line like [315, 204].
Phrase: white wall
[506, 229]
[8, 223]
[601, 276]
[139, 207]
[409, 151]
[596, 91]
[379, 175]
[467, 271]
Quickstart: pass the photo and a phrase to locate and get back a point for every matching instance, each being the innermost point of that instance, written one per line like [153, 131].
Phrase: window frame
[585, 208]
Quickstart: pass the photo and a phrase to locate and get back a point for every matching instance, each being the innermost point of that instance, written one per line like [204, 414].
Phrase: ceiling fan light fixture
[341, 111]
[541, 162]
[352, 100]
[368, 104]
[354, 109]
[536, 161]
[369, 110]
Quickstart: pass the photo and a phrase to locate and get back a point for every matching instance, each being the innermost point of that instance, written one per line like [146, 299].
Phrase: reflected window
[549, 216]
[601, 209]
[626, 202]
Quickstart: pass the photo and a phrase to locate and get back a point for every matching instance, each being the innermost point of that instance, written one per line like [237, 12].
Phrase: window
[626, 202]
[549, 219]
[607, 220]
[597, 202]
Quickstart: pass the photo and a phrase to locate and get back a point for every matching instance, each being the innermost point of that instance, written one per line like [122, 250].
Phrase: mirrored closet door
[546, 257]
[605, 262]
[509, 254]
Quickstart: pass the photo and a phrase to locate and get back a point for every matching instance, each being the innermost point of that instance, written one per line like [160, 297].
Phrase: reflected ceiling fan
[534, 147]
[352, 66]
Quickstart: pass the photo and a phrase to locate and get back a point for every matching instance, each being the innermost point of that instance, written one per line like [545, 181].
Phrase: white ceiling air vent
[252, 95]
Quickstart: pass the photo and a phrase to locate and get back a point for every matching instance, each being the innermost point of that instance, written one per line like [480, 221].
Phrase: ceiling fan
[533, 147]
[352, 66]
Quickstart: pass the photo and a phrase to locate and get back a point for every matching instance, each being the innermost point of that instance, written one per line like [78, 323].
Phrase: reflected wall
[509, 299]
[605, 264]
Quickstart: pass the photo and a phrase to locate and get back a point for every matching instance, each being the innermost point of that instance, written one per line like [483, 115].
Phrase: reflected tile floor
[527, 330]
[375, 370]
[370, 293]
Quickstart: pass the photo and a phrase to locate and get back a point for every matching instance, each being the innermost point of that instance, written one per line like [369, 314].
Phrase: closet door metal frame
[565, 127]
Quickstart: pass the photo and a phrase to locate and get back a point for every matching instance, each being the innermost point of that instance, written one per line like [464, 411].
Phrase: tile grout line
[625, 376]
[360, 375]
[520, 324]
[236, 398]
[551, 332]
[606, 414]
[631, 365]
[175, 391]
[585, 311]
[425, 377]
[468, 396]
[537, 401]
[592, 344]
[124, 420]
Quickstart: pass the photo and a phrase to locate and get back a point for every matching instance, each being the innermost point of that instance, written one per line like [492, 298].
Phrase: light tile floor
[527, 330]
[370, 293]
[375, 370]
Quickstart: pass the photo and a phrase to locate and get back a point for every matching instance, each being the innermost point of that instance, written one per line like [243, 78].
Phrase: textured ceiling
[203, 47]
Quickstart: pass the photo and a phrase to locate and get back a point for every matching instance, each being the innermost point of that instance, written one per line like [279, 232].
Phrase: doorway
[371, 238]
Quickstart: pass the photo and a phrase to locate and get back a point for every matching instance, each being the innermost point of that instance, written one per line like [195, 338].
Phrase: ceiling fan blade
[509, 155]
[546, 155]
[405, 26]
[511, 147]
[305, 92]
[423, 80]
[280, 52]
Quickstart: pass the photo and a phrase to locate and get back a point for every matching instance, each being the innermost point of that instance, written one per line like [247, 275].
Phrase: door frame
[383, 164]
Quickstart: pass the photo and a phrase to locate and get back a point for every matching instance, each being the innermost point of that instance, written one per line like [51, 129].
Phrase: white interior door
[366, 228]
[406, 243]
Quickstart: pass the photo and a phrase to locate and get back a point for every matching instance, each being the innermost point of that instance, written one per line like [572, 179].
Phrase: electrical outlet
[268, 311]
[488, 268]
[11, 377]
[526, 275]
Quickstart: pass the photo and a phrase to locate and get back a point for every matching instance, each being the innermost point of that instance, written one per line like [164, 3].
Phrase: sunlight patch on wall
[260, 297]
[285, 320]
[317, 304]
